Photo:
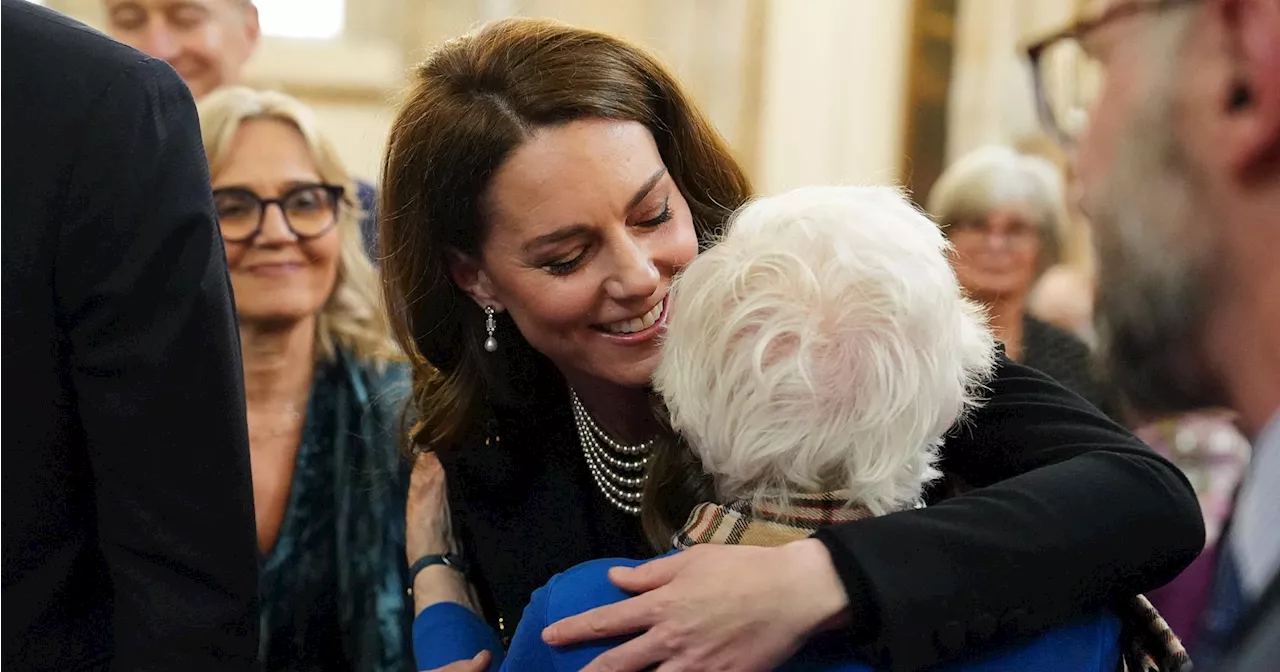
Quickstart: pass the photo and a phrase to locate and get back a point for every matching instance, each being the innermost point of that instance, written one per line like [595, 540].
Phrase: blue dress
[446, 632]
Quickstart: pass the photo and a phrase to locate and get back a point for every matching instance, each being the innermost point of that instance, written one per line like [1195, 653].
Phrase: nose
[634, 275]
[274, 231]
[999, 240]
[159, 42]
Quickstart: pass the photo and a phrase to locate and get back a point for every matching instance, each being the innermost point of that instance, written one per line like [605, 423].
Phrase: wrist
[413, 554]
[439, 583]
[820, 583]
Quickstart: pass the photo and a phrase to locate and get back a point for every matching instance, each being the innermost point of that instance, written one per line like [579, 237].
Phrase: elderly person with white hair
[822, 350]
[1005, 213]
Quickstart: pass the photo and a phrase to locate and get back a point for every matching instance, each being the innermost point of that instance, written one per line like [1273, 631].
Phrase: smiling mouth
[635, 324]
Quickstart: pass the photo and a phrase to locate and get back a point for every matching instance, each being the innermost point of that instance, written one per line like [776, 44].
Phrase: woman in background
[323, 386]
[1004, 213]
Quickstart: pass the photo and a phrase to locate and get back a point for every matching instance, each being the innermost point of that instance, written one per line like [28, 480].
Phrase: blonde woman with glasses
[323, 386]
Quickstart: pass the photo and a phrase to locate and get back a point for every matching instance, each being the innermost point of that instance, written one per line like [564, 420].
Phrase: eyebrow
[575, 230]
[287, 185]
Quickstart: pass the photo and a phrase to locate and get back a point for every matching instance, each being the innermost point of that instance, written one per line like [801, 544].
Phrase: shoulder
[584, 587]
[574, 591]
[391, 376]
[384, 383]
[367, 194]
[1092, 643]
[1045, 334]
[68, 58]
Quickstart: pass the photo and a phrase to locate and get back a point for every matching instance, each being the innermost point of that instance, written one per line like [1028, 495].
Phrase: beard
[1154, 251]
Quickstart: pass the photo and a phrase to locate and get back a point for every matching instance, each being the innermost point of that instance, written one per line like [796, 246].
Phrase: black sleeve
[144, 300]
[1070, 511]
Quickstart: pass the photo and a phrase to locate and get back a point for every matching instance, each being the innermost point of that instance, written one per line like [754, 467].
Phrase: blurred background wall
[807, 91]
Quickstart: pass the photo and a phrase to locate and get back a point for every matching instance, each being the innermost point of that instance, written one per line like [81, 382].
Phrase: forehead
[266, 152]
[165, 5]
[580, 172]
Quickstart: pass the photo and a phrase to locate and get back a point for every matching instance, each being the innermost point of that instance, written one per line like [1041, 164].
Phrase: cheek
[678, 248]
[324, 254]
[1027, 261]
[203, 47]
[551, 305]
[1097, 145]
[962, 256]
[235, 254]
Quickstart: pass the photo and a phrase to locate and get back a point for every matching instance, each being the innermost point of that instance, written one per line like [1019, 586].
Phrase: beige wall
[833, 93]
[806, 91]
[992, 100]
[992, 97]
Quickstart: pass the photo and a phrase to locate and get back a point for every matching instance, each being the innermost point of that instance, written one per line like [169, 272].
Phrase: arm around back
[1070, 511]
[145, 303]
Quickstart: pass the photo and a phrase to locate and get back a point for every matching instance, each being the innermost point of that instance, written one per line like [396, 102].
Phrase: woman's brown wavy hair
[471, 103]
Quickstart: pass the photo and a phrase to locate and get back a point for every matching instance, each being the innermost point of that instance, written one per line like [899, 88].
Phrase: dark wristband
[448, 560]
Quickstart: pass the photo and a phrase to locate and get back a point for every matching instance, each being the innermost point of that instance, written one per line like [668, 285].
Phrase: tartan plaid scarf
[1147, 642]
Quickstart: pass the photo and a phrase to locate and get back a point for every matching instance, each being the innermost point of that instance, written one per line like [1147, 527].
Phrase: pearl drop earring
[490, 343]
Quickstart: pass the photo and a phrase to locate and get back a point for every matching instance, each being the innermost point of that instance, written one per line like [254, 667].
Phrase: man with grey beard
[1179, 171]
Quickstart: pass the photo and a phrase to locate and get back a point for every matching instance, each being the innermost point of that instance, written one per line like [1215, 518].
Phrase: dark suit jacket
[1070, 512]
[128, 508]
[1255, 646]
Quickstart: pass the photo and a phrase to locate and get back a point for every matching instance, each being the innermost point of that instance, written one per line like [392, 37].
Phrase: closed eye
[566, 267]
[662, 218]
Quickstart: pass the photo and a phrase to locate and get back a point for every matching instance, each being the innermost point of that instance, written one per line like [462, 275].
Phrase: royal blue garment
[367, 194]
[445, 633]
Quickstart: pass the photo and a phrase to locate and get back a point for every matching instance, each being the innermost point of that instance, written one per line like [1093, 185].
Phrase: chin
[638, 375]
[634, 375]
[274, 318]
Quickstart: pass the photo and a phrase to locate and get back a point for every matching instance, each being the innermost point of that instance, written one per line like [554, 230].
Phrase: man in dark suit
[129, 537]
[1179, 171]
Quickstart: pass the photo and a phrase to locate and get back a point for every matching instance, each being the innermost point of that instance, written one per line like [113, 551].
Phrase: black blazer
[1255, 645]
[128, 508]
[1066, 359]
[1070, 511]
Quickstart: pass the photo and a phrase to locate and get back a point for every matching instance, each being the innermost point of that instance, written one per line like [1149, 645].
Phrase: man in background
[129, 534]
[1179, 170]
[208, 42]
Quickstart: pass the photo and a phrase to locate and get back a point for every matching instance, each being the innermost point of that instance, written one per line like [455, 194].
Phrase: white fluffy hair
[823, 344]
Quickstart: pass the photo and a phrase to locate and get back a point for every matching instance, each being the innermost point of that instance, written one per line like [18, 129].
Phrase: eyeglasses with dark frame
[1063, 110]
[1018, 236]
[309, 210]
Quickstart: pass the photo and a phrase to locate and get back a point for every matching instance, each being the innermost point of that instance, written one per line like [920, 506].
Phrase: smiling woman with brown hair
[542, 186]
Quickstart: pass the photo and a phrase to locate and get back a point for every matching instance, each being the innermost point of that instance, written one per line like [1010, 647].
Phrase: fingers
[621, 618]
[640, 653]
[651, 575]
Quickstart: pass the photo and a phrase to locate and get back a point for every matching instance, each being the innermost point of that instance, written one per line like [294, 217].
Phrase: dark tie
[1227, 603]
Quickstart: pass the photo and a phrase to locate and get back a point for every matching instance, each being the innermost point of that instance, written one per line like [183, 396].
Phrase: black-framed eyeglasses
[309, 210]
[1067, 72]
[1018, 235]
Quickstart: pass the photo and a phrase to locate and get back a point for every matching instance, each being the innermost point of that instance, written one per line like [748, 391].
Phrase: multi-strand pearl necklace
[618, 470]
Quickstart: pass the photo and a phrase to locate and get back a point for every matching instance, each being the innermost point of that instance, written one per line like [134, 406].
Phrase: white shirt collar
[1255, 536]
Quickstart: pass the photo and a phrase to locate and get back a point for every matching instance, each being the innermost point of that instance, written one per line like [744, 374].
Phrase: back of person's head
[353, 316]
[822, 345]
[471, 104]
[206, 41]
[997, 178]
